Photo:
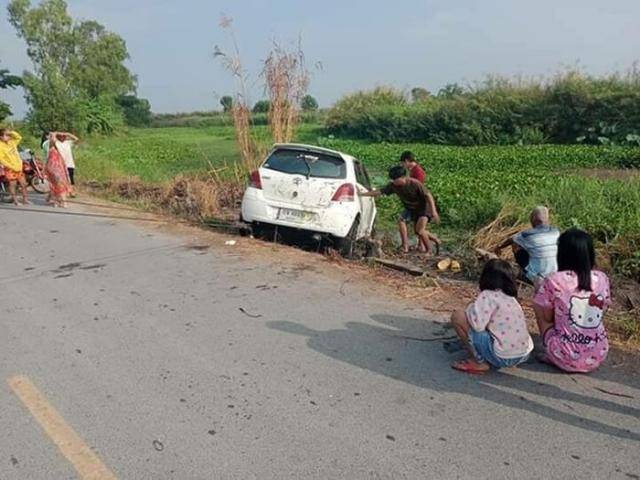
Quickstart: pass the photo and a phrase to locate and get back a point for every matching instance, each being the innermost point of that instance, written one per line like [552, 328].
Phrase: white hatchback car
[312, 189]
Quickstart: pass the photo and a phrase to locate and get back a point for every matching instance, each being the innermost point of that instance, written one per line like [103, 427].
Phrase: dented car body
[313, 189]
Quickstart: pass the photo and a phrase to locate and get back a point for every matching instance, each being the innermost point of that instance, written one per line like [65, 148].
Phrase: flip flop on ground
[471, 366]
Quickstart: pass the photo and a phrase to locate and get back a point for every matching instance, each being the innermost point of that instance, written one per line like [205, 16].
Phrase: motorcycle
[33, 172]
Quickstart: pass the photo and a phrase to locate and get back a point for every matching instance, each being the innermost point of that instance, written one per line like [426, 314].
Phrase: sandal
[470, 367]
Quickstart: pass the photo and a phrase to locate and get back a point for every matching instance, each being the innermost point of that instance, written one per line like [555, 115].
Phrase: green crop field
[471, 184]
[584, 186]
[158, 154]
[155, 155]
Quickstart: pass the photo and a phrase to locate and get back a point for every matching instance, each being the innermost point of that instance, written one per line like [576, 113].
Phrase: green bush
[569, 108]
[309, 104]
[261, 106]
[100, 116]
[137, 111]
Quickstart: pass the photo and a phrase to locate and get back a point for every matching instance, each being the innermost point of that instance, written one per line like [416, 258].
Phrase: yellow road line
[86, 463]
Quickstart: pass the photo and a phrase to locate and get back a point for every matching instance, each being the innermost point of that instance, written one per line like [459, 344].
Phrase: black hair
[407, 156]
[498, 275]
[576, 254]
[44, 137]
[3, 131]
[397, 172]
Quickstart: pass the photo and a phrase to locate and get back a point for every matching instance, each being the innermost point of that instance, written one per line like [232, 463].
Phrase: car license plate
[294, 215]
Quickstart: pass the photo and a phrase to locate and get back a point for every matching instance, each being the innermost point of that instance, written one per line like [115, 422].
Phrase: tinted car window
[310, 164]
[361, 175]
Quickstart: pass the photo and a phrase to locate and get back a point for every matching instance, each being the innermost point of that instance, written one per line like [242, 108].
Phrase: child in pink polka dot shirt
[493, 327]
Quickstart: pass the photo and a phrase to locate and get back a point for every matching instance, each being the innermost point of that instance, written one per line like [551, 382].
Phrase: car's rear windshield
[311, 164]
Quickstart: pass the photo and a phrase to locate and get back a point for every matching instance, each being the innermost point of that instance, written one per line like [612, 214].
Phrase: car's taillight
[346, 193]
[254, 180]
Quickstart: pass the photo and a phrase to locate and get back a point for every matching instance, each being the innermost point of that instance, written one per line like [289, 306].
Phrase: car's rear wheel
[347, 244]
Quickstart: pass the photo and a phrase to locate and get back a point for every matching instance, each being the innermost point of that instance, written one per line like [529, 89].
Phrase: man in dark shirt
[419, 205]
[408, 161]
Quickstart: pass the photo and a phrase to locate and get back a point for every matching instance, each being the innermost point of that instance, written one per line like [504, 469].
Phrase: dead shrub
[241, 111]
[191, 198]
[504, 226]
[286, 82]
[194, 198]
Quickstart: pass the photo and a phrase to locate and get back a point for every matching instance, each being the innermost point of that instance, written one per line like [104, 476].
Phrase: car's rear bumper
[335, 219]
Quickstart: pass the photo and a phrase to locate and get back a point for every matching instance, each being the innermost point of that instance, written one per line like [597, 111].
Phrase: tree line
[79, 81]
[571, 107]
[307, 104]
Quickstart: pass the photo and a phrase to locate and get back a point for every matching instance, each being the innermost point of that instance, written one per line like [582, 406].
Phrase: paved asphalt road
[144, 357]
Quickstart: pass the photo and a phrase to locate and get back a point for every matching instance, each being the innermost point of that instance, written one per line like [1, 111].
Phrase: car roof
[312, 148]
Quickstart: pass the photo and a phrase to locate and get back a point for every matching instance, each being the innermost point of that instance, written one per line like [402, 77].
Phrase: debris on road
[615, 394]
[400, 266]
[249, 314]
[158, 445]
[444, 265]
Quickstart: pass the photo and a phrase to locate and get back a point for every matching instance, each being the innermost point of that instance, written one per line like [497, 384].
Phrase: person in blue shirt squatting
[535, 249]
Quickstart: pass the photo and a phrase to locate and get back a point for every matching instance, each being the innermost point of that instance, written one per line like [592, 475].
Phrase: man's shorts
[410, 216]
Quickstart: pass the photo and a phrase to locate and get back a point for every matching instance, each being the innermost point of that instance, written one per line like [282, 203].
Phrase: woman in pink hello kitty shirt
[570, 307]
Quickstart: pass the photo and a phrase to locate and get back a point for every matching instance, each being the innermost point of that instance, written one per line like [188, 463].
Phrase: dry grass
[241, 110]
[500, 229]
[193, 198]
[286, 81]
[244, 139]
[624, 328]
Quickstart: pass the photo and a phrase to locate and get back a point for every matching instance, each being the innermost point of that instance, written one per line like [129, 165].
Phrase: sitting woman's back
[570, 307]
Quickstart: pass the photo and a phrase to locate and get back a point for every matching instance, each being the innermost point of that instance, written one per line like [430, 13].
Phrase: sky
[359, 44]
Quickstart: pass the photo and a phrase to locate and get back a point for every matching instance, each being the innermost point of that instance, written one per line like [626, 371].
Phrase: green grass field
[155, 155]
[471, 184]
[158, 154]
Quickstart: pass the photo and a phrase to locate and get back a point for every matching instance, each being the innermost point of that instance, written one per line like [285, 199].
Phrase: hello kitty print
[587, 312]
[578, 341]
